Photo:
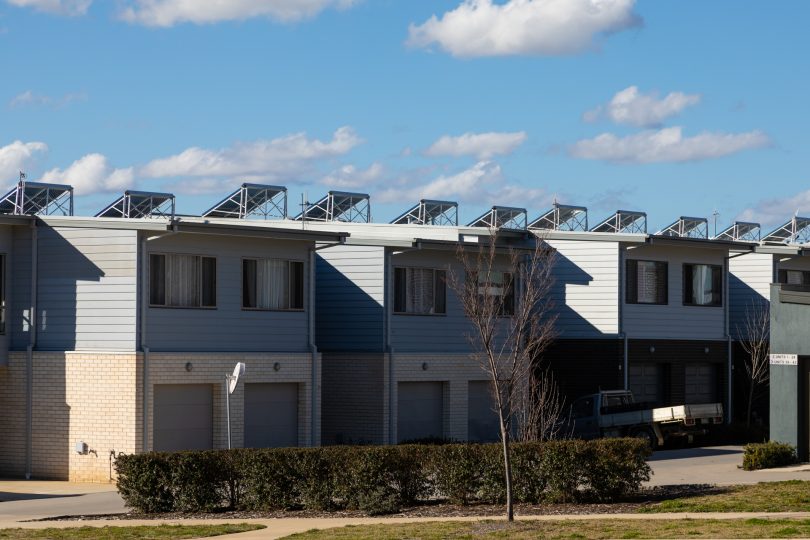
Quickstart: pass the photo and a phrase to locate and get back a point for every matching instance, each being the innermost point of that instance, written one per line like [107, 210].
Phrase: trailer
[614, 413]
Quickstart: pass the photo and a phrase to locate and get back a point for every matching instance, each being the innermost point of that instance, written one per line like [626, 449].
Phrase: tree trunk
[750, 405]
[507, 469]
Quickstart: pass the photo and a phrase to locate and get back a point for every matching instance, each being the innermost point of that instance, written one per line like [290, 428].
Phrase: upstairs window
[420, 291]
[646, 282]
[500, 288]
[2, 293]
[272, 284]
[702, 285]
[188, 281]
[794, 277]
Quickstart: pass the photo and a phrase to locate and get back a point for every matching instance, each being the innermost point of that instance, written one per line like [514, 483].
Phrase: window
[501, 288]
[794, 277]
[702, 285]
[276, 284]
[182, 281]
[420, 291]
[2, 293]
[646, 282]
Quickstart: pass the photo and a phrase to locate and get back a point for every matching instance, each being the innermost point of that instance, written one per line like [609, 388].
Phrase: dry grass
[159, 532]
[790, 496]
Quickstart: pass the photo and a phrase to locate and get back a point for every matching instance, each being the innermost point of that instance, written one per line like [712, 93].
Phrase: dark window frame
[781, 276]
[291, 278]
[3, 291]
[508, 305]
[631, 283]
[201, 269]
[717, 295]
[439, 283]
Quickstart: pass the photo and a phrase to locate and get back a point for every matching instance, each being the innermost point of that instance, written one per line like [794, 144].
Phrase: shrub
[379, 479]
[768, 455]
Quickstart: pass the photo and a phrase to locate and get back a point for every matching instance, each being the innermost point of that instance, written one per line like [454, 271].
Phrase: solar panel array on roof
[563, 217]
[339, 206]
[140, 204]
[429, 212]
[624, 221]
[258, 200]
[687, 227]
[795, 231]
[740, 231]
[502, 217]
[37, 198]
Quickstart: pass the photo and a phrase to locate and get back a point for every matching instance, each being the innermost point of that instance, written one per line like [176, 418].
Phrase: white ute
[613, 413]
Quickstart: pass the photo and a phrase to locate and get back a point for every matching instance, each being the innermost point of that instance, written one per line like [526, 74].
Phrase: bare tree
[755, 338]
[540, 410]
[505, 294]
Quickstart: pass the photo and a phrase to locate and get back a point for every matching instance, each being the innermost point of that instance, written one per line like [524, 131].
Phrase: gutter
[29, 367]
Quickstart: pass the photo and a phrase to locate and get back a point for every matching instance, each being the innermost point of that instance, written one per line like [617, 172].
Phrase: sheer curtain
[647, 282]
[419, 285]
[273, 278]
[702, 284]
[183, 284]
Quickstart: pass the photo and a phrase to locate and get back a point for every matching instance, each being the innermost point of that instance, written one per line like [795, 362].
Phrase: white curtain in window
[273, 278]
[419, 290]
[183, 280]
[794, 277]
[702, 284]
[647, 282]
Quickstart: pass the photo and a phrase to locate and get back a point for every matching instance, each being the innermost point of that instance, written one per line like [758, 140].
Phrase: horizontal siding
[675, 321]
[86, 289]
[18, 310]
[349, 298]
[228, 327]
[586, 288]
[750, 278]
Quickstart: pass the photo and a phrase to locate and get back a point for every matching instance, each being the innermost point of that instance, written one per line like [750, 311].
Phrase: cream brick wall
[12, 405]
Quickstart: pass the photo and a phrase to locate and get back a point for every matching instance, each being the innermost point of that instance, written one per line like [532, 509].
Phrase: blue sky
[512, 103]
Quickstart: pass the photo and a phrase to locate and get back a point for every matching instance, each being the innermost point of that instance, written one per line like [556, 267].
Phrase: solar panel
[795, 231]
[258, 200]
[740, 231]
[339, 206]
[563, 217]
[502, 217]
[624, 221]
[687, 227]
[38, 198]
[140, 204]
[429, 212]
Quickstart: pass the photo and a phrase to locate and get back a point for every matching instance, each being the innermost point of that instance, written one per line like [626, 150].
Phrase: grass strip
[144, 532]
[788, 496]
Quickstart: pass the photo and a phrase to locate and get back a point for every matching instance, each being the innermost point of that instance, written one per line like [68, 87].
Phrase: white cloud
[15, 157]
[267, 158]
[629, 106]
[57, 7]
[350, 177]
[170, 12]
[776, 211]
[526, 27]
[91, 174]
[29, 98]
[666, 145]
[481, 145]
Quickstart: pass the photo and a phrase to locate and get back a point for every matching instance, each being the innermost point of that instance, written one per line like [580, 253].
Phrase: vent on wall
[339, 206]
[563, 217]
[624, 221]
[687, 227]
[140, 204]
[741, 231]
[252, 200]
[429, 212]
[502, 217]
[795, 231]
[37, 198]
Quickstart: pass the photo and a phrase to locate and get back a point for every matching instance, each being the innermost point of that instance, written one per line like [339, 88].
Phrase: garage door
[645, 382]
[271, 415]
[420, 411]
[482, 420]
[183, 417]
[700, 383]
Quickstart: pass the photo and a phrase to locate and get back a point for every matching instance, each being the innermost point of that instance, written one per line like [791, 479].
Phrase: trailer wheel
[648, 435]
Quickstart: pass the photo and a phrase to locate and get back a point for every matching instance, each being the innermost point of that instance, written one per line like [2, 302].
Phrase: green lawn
[578, 529]
[790, 496]
[151, 532]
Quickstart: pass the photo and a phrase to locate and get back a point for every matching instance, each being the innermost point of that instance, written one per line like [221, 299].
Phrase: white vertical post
[228, 407]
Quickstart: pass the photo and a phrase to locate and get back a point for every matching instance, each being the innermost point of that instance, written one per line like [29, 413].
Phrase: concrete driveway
[714, 465]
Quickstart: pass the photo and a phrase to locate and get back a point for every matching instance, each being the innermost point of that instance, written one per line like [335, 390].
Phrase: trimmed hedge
[379, 479]
[768, 455]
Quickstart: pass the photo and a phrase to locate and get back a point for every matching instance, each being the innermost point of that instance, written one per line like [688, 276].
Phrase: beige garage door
[700, 382]
[420, 411]
[482, 420]
[271, 415]
[645, 382]
[183, 417]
